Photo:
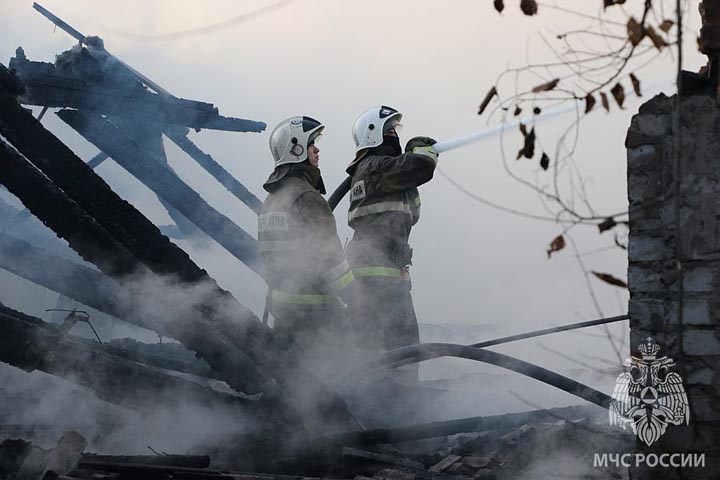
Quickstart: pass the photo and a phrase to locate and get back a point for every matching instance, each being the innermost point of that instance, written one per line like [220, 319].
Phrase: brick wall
[654, 281]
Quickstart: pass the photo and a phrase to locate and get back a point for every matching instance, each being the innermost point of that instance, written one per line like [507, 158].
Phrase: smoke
[41, 407]
[464, 278]
[170, 421]
[48, 405]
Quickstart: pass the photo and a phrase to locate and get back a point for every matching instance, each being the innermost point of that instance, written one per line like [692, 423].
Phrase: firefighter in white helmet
[305, 269]
[384, 206]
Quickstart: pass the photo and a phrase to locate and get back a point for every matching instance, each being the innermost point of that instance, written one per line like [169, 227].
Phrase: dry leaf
[635, 84]
[635, 31]
[556, 245]
[608, 3]
[589, 102]
[604, 101]
[657, 40]
[607, 278]
[486, 101]
[517, 111]
[618, 93]
[617, 243]
[499, 5]
[544, 161]
[666, 25]
[528, 7]
[528, 150]
[607, 224]
[546, 87]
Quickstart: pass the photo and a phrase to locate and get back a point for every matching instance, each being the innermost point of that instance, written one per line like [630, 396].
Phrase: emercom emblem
[649, 397]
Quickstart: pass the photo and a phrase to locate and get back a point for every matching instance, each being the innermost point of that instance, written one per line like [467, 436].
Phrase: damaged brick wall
[656, 284]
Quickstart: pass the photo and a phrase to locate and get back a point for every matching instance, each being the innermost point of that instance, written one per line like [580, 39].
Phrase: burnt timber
[31, 344]
[72, 84]
[123, 96]
[232, 339]
[109, 88]
[160, 179]
[79, 282]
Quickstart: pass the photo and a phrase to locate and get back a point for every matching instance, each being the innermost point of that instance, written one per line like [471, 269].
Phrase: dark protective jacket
[384, 206]
[298, 237]
[304, 264]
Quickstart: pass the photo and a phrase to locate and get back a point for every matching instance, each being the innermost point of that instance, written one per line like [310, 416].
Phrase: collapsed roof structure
[114, 107]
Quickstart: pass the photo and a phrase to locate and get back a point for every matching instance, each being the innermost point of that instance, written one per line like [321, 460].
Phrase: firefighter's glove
[422, 146]
[419, 142]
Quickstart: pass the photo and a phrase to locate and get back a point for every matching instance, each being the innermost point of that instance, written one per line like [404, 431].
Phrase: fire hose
[439, 148]
[427, 351]
[408, 355]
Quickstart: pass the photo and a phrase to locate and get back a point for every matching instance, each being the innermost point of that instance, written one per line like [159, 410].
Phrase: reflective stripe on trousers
[342, 282]
[338, 277]
[377, 272]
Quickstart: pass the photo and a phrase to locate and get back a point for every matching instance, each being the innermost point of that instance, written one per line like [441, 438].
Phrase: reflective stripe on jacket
[385, 204]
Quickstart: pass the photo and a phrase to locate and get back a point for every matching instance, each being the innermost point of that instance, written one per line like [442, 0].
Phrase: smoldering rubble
[220, 392]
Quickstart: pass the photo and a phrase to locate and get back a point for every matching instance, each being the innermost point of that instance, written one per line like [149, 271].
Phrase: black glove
[419, 142]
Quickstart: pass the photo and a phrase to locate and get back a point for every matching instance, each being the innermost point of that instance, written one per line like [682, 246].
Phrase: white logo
[272, 221]
[358, 191]
[648, 396]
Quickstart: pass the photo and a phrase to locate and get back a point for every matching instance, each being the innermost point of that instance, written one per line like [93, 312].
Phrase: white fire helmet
[370, 126]
[290, 139]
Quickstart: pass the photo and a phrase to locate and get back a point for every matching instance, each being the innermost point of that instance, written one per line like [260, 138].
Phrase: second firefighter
[384, 206]
[305, 269]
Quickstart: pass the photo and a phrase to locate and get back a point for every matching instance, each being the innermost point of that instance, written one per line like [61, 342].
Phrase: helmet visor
[392, 124]
[314, 138]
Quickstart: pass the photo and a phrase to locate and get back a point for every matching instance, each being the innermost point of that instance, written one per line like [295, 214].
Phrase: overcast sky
[332, 59]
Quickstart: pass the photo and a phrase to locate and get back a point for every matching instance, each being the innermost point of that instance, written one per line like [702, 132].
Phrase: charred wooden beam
[133, 470]
[62, 215]
[93, 194]
[148, 137]
[150, 471]
[90, 287]
[10, 82]
[107, 89]
[169, 356]
[31, 344]
[225, 333]
[12, 454]
[46, 86]
[83, 284]
[215, 169]
[95, 244]
[380, 458]
[165, 183]
[317, 456]
[187, 461]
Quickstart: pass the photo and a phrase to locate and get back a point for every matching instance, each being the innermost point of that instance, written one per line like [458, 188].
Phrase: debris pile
[565, 446]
